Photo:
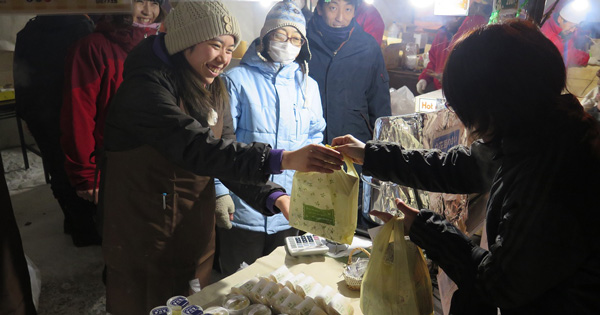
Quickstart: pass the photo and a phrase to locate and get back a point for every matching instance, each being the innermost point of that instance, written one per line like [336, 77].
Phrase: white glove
[223, 209]
[421, 86]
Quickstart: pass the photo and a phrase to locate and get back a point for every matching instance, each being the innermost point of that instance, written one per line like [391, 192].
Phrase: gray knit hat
[194, 21]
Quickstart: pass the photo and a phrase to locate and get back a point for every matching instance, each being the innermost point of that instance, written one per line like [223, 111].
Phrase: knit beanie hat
[286, 13]
[194, 21]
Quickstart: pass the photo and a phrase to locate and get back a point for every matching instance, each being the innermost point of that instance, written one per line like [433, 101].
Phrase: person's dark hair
[355, 3]
[501, 78]
[162, 14]
[197, 99]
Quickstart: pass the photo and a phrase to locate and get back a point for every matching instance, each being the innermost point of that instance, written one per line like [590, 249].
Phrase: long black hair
[198, 98]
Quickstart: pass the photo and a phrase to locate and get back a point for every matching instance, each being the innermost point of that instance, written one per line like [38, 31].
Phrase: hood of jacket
[253, 58]
[149, 56]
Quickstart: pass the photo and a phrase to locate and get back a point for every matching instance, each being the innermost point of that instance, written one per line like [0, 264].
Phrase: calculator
[306, 244]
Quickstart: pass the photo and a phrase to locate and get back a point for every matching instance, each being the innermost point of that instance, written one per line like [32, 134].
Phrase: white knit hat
[572, 13]
[194, 21]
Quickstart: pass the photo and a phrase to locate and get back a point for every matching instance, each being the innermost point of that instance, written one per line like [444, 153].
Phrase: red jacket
[437, 56]
[371, 21]
[93, 72]
[574, 56]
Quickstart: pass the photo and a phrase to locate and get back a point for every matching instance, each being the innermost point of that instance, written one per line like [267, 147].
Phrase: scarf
[334, 36]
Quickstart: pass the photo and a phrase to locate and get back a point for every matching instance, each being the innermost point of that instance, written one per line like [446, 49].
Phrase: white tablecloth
[325, 270]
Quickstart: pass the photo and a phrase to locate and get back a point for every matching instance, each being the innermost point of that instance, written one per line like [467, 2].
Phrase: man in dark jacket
[348, 66]
[38, 71]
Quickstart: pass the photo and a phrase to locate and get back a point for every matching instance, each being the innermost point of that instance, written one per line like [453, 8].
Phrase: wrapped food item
[317, 311]
[160, 310]
[257, 289]
[290, 303]
[314, 291]
[280, 274]
[325, 296]
[257, 309]
[236, 303]
[192, 310]
[282, 282]
[291, 283]
[305, 285]
[339, 305]
[304, 307]
[245, 288]
[216, 310]
[268, 292]
[277, 300]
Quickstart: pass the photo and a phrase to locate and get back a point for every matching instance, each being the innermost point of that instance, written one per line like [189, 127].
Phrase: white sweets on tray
[282, 292]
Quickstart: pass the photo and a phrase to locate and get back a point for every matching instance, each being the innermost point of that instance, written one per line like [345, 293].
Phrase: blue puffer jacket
[353, 82]
[277, 105]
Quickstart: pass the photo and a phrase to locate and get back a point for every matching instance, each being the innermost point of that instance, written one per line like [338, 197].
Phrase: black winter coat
[542, 215]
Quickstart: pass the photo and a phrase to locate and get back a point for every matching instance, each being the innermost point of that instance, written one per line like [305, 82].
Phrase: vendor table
[325, 270]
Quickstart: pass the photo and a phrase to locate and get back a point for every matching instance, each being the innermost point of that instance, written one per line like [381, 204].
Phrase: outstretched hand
[351, 147]
[312, 158]
[410, 214]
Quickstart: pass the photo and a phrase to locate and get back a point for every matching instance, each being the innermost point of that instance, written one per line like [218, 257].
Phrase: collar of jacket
[159, 48]
[252, 58]
[126, 37]
[355, 43]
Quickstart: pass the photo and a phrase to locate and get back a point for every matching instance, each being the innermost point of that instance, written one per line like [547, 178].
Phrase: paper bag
[397, 279]
[326, 204]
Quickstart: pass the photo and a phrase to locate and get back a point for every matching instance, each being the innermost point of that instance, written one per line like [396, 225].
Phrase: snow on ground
[17, 177]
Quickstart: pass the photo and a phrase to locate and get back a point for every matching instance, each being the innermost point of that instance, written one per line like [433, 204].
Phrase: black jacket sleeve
[461, 170]
[145, 111]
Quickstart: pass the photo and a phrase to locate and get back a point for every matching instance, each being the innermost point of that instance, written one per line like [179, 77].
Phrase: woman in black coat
[505, 83]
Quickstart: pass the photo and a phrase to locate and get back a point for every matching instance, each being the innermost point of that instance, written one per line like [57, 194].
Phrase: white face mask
[283, 52]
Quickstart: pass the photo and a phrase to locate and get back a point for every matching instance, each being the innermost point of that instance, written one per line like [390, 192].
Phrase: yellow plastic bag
[326, 204]
[397, 279]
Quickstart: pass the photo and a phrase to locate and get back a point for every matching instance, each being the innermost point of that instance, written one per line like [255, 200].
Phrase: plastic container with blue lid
[177, 300]
[161, 310]
[192, 310]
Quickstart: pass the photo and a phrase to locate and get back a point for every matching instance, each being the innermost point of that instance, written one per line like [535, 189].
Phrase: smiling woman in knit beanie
[168, 133]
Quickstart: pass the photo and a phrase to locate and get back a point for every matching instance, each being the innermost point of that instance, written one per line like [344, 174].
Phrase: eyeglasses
[280, 37]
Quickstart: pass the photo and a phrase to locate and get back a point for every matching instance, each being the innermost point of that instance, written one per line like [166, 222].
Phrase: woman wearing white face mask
[273, 100]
